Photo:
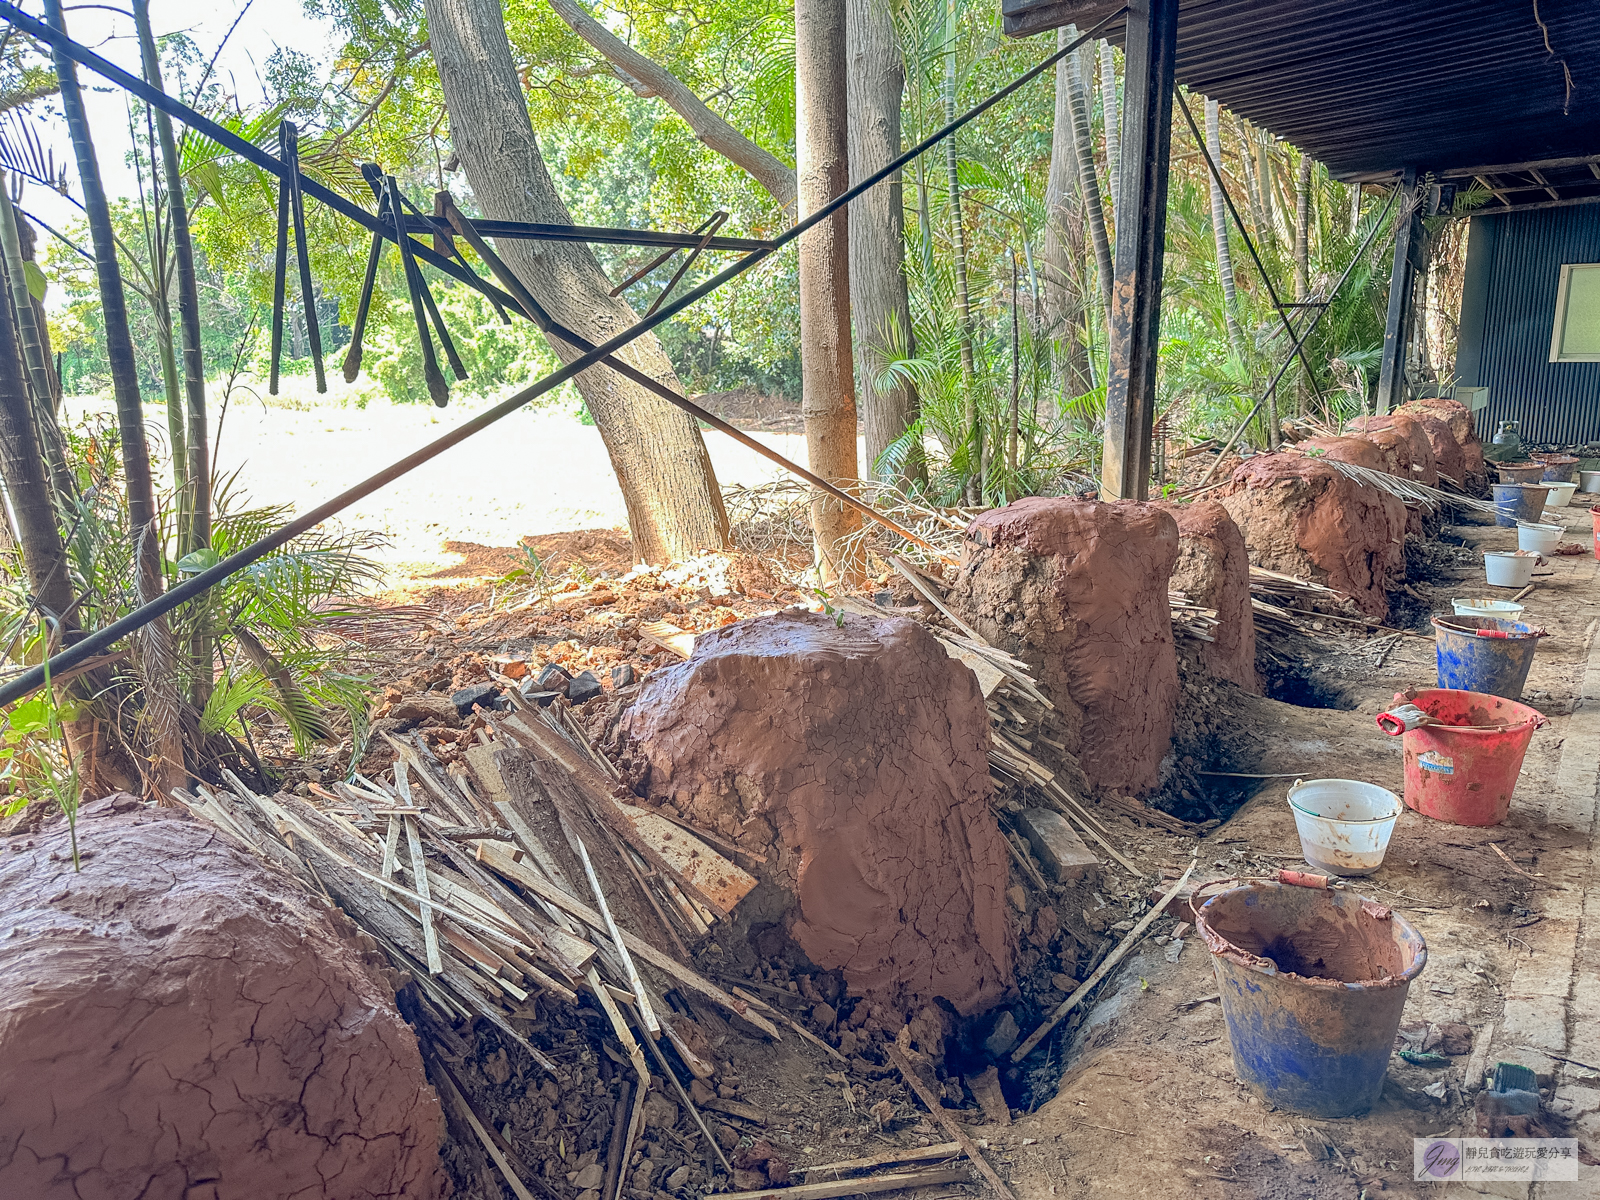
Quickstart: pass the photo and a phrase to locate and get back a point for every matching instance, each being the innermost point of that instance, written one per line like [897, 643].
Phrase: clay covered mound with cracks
[1458, 418]
[1358, 451]
[1404, 442]
[1455, 441]
[853, 755]
[1407, 454]
[179, 1021]
[1213, 570]
[1078, 590]
[1302, 517]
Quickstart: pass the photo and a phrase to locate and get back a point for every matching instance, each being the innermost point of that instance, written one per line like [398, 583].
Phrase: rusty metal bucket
[1313, 983]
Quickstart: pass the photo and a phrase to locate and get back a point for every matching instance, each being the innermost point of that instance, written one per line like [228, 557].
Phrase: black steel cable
[102, 639]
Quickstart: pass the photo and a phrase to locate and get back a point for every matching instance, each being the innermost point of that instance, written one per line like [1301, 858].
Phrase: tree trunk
[1264, 183]
[1247, 162]
[878, 293]
[827, 377]
[674, 507]
[972, 428]
[29, 241]
[195, 532]
[1111, 111]
[649, 78]
[198, 471]
[33, 341]
[1088, 180]
[1302, 261]
[1219, 230]
[1063, 243]
[160, 678]
[102, 766]
[1302, 231]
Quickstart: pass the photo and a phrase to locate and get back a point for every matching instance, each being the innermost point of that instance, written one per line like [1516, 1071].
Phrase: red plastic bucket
[1465, 770]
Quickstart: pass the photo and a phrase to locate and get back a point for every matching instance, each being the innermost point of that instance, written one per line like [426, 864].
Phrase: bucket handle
[1304, 879]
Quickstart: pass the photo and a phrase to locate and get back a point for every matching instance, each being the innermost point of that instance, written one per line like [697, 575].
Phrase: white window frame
[1559, 325]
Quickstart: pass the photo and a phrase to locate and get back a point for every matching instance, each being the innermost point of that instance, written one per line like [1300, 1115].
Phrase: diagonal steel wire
[102, 639]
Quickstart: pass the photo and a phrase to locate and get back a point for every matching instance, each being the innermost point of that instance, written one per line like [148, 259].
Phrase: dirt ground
[1135, 1094]
[1149, 1105]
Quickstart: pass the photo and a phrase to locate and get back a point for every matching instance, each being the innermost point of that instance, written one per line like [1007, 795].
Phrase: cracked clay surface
[856, 759]
[1078, 590]
[1213, 570]
[177, 1021]
[1302, 517]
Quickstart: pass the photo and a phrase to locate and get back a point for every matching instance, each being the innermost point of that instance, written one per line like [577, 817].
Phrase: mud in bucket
[1515, 502]
[1483, 654]
[1344, 824]
[1312, 985]
[1464, 769]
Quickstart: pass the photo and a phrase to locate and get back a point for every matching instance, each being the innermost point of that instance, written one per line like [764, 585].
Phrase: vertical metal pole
[1135, 324]
[1396, 329]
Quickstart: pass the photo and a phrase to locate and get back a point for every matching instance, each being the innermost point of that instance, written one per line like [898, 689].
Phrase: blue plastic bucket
[1515, 502]
[1313, 983]
[1470, 659]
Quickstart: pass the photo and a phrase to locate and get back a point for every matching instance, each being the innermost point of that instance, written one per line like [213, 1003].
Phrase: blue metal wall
[1507, 312]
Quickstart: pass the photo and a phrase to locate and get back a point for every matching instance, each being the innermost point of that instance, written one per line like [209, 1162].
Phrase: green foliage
[35, 761]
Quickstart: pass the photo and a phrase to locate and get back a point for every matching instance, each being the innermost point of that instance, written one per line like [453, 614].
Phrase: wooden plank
[647, 1012]
[870, 1185]
[391, 848]
[724, 881]
[656, 958]
[419, 879]
[931, 1102]
[913, 1154]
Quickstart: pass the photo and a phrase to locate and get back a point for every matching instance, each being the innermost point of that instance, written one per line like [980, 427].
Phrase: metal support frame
[1250, 245]
[1319, 310]
[590, 355]
[1151, 52]
[1402, 282]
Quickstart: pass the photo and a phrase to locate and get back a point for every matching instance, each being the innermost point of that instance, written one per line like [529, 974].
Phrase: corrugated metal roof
[1369, 87]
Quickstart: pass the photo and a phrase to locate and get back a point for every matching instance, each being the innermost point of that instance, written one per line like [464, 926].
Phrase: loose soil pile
[179, 1021]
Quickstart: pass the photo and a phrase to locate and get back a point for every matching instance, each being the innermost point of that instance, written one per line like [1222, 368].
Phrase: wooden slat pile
[514, 874]
[1275, 599]
[1190, 619]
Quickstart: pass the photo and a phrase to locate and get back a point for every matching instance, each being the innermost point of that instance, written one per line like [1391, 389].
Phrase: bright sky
[266, 25]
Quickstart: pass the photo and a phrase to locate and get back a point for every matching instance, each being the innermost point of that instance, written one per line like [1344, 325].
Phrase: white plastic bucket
[1559, 495]
[1344, 824]
[1540, 539]
[1589, 481]
[1500, 610]
[1506, 568]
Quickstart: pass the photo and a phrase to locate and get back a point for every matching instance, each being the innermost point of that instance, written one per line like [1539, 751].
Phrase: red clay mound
[1407, 454]
[1406, 439]
[1447, 452]
[856, 758]
[180, 1022]
[1078, 590]
[1214, 570]
[1457, 419]
[1345, 449]
[1303, 517]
